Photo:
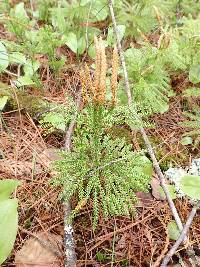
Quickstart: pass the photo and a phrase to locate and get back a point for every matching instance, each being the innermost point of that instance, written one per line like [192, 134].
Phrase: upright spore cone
[102, 82]
[97, 69]
[115, 64]
[158, 16]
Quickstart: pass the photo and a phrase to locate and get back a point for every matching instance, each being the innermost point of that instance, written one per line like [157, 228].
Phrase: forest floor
[131, 241]
[25, 151]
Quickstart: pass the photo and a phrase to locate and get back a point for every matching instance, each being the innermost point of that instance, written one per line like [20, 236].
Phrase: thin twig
[150, 150]
[181, 237]
[11, 73]
[70, 130]
[181, 262]
[99, 168]
[69, 246]
[87, 23]
[122, 59]
[142, 131]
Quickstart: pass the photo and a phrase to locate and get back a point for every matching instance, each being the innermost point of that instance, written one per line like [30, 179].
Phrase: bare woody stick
[190, 252]
[182, 236]
[114, 82]
[70, 129]
[69, 246]
[143, 133]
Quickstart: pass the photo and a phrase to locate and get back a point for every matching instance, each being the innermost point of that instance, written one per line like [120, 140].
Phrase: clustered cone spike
[114, 83]
[83, 86]
[102, 81]
[96, 90]
[97, 69]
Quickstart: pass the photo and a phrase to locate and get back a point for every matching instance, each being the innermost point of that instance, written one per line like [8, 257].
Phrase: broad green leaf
[84, 2]
[58, 18]
[187, 140]
[71, 41]
[91, 51]
[56, 120]
[4, 60]
[164, 108]
[31, 67]
[173, 230]
[146, 167]
[194, 74]
[36, 14]
[81, 45]
[135, 57]
[7, 186]
[111, 37]
[8, 227]
[190, 185]
[171, 189]
[20, 12]
[99, 10]
[17, 58]
[192, 91]
[3, 101]
[23, 81]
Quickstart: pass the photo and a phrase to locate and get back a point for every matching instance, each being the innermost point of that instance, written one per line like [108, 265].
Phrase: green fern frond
[193, 123]
[150, 80]
[188, 37]
[190, 27]
[189, 7]
[141, 15]
[171, 57]
[150, 98]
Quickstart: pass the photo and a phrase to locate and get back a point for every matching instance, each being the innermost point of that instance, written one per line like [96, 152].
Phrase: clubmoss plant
[100, 168]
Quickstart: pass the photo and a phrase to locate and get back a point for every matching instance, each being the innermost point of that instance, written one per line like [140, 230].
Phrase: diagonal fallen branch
[182, 236]
[142, 130]
[150, 150]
